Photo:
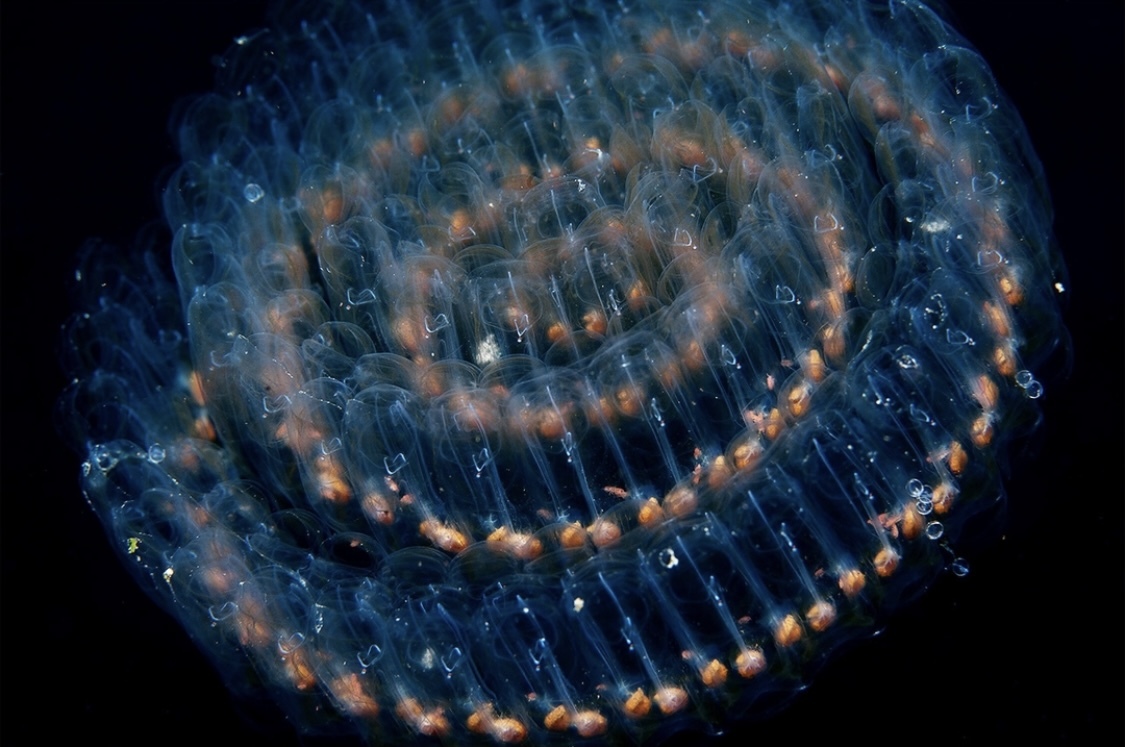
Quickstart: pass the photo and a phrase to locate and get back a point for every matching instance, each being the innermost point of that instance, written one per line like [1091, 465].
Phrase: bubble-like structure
[566, 372]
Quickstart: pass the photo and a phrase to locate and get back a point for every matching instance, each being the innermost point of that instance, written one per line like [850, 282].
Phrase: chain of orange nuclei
[596, 292]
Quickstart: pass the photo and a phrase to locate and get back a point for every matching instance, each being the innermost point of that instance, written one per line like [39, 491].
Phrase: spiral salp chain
[547, 372]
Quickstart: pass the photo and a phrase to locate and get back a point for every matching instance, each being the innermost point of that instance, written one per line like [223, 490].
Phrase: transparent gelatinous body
[546, 373]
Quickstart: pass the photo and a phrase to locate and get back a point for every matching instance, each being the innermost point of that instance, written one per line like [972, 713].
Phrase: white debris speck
[488, 351]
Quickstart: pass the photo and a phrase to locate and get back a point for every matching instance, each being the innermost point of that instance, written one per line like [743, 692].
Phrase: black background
[1029, 645]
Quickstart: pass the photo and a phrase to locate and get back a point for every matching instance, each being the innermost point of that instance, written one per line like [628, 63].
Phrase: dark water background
[1019, 649]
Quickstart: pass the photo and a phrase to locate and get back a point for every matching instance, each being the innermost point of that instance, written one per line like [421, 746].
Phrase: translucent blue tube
[537, 374]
